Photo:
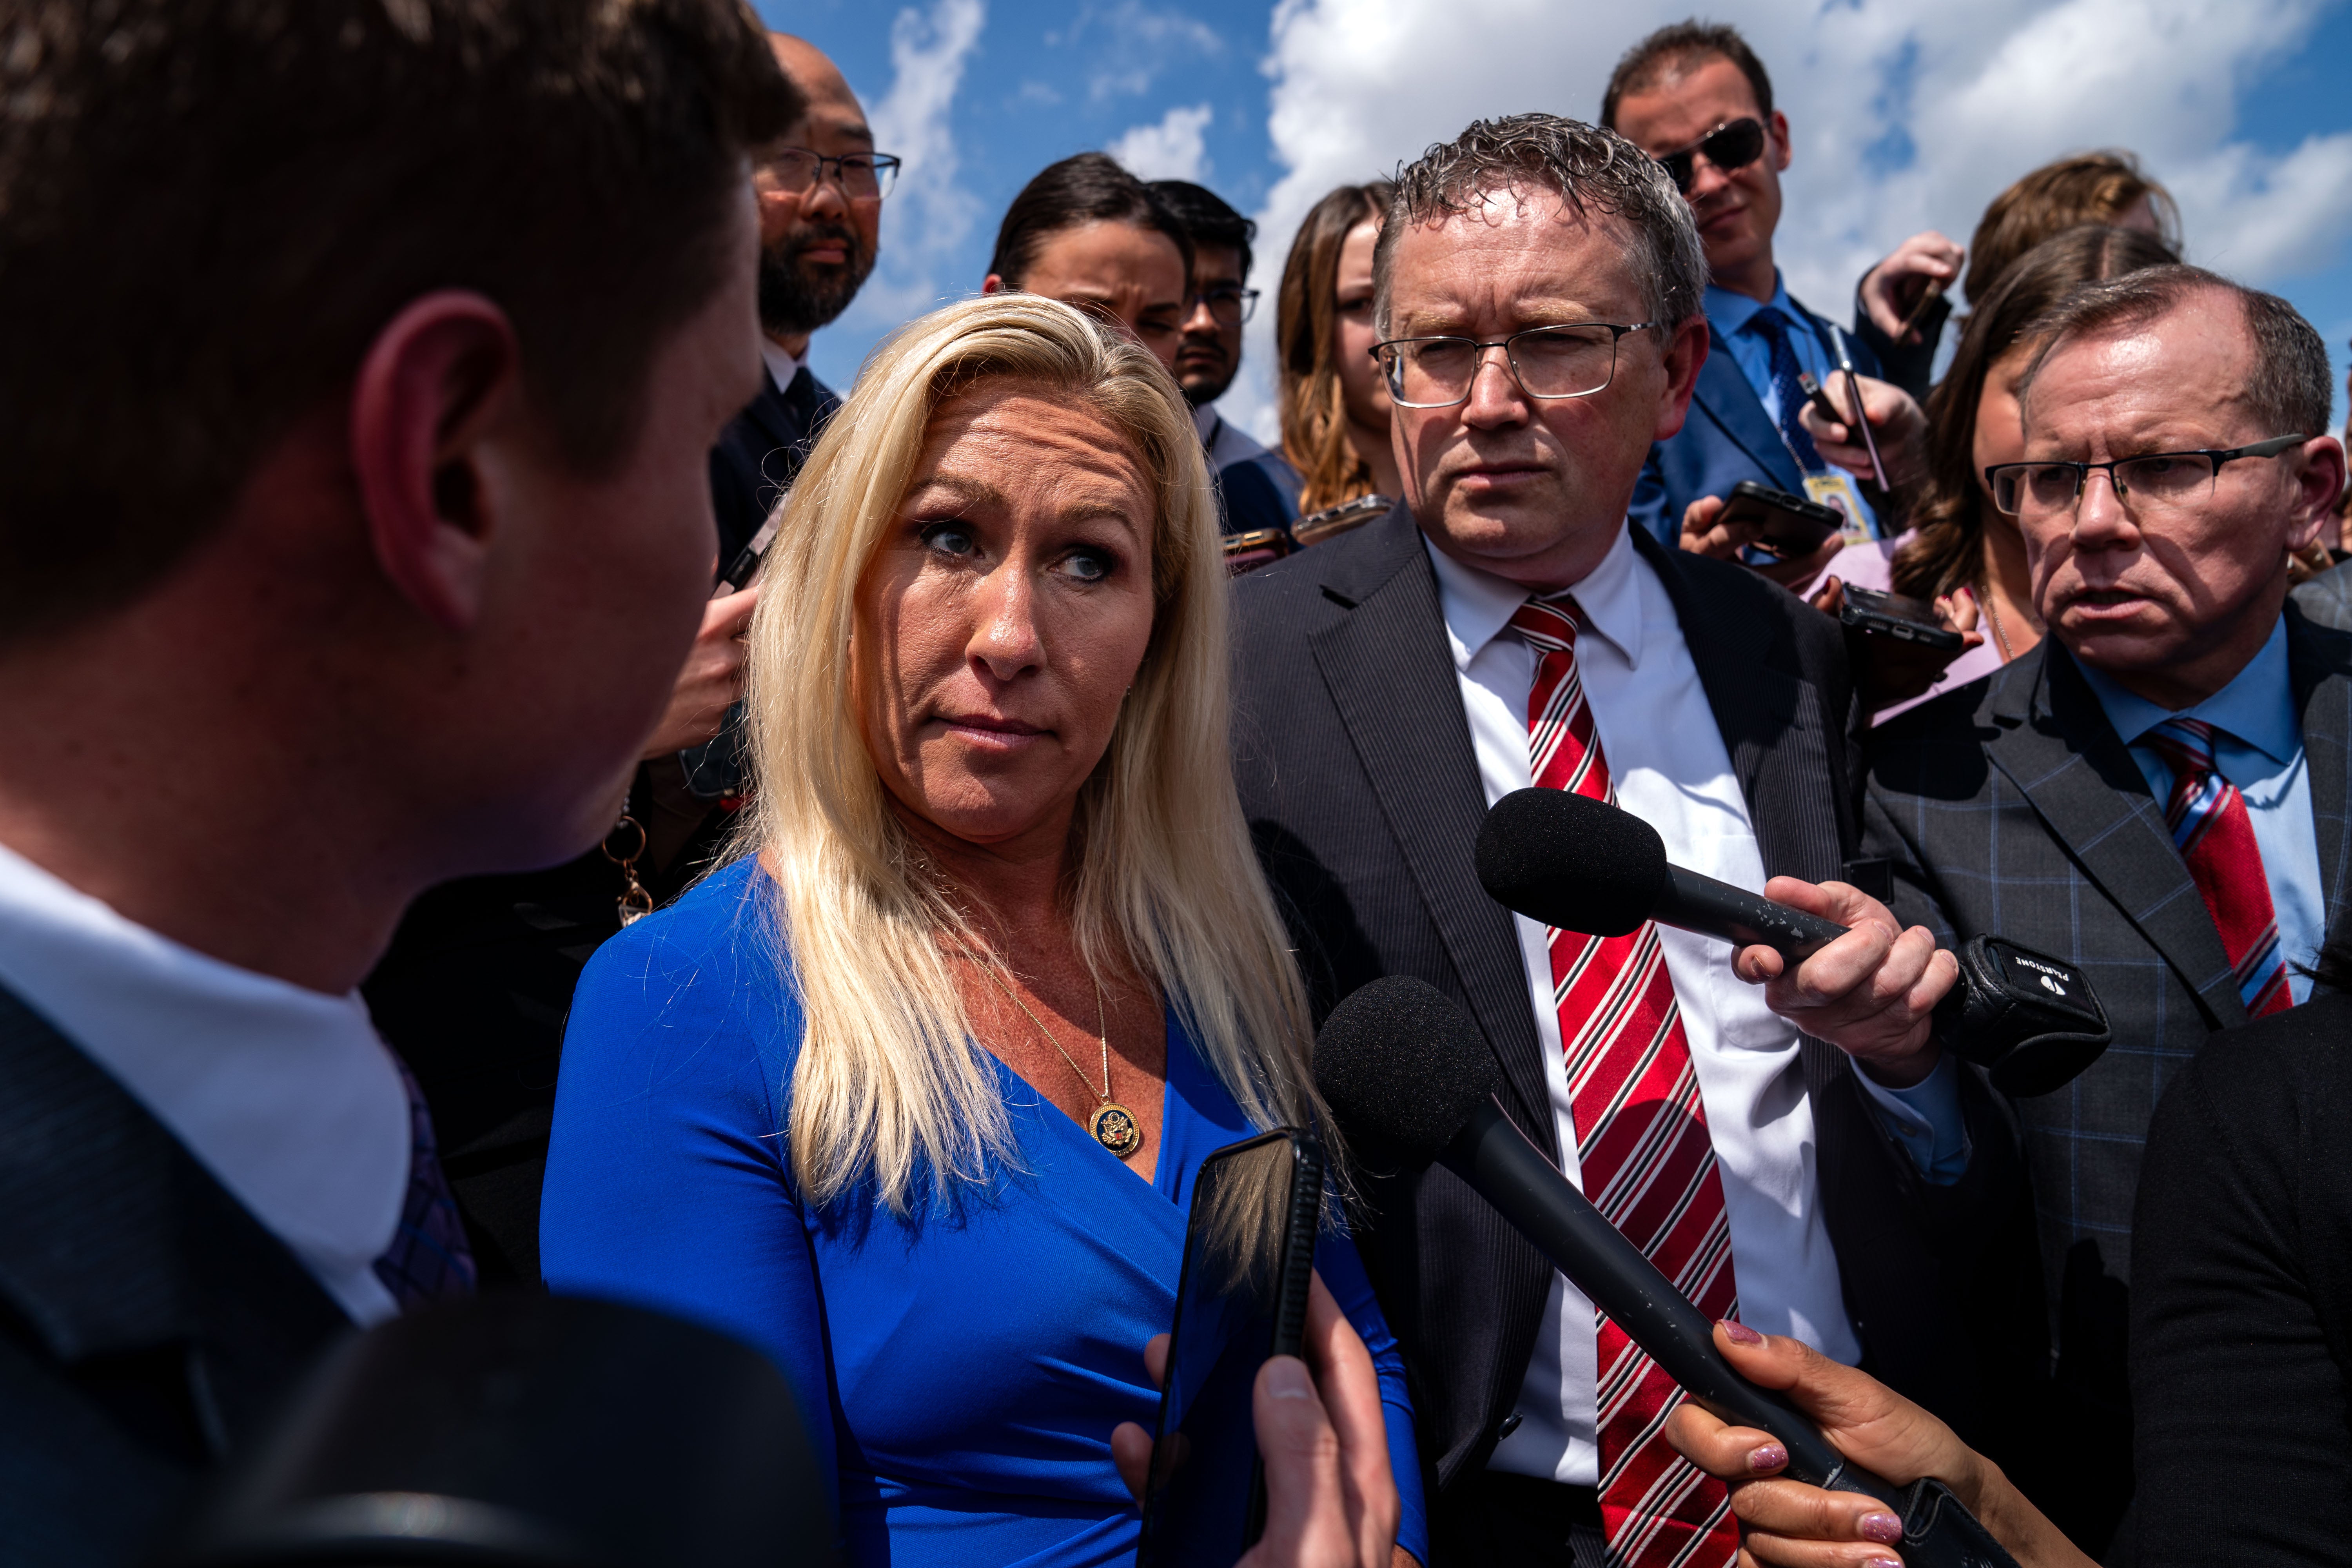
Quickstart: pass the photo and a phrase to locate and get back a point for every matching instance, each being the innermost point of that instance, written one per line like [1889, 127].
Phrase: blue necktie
[428, 1259]
[1775, 327]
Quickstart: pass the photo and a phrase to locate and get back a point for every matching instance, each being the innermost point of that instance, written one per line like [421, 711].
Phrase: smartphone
[1793, 527]
[746, 565]
[1819, 399]
[1893, 615]
[1334, 520]
[1249, 1253]
[1256, 548]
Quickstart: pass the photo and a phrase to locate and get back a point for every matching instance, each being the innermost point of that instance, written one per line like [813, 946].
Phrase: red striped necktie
[1642, 1141]
[2216, 837]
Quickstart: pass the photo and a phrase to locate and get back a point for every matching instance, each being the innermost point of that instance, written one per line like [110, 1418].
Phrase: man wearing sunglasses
[1257, 490]
[1695, 97]
[2159, 792]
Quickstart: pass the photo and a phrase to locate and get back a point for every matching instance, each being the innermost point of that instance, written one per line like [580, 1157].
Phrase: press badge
[1836, 489]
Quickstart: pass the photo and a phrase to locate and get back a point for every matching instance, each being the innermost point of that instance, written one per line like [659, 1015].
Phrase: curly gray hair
[1589, 169]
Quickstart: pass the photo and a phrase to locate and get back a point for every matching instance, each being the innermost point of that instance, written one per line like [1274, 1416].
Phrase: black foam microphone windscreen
[1403, 1067]
[1620, 860]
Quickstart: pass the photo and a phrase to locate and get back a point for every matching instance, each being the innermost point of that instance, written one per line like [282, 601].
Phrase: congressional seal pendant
[1114, 1128]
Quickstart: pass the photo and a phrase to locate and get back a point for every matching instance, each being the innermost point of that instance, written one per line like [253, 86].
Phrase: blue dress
[972, 1362]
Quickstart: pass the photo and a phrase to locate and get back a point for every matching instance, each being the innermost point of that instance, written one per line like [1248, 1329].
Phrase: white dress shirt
[782, 365]
[1668, 763]
[286, 1096]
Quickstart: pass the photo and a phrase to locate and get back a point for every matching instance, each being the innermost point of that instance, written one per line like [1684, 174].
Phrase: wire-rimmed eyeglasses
[1576, 359]
[2158, 478]
[863, 176]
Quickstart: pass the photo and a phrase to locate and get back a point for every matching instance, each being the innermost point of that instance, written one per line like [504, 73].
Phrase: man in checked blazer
[1386, 681]
[2036, 803]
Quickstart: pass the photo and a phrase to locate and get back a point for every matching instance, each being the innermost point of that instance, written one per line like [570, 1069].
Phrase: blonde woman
[912, 1093]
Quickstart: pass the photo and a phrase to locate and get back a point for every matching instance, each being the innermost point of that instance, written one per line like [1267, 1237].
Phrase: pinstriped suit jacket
[1355, 765]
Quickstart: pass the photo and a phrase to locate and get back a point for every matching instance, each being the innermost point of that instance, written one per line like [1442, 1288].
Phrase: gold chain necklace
[1112, 1124]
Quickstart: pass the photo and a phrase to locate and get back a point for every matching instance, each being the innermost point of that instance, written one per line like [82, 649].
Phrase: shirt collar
[1729, 312]
[2257, 706]
[1478, 606]
[1205, 420]
[783, 366]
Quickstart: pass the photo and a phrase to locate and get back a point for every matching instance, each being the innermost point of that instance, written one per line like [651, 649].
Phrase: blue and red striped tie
[1642, 1142]
[2216, 838]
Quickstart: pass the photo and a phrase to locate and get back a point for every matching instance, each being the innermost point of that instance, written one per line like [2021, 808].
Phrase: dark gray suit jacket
[2011, 806]
[148, 1323]
[1356, 770]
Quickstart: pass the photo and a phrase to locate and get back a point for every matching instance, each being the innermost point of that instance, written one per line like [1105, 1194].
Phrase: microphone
[2031, 1020]
[1583, 865]
[1409, 1076]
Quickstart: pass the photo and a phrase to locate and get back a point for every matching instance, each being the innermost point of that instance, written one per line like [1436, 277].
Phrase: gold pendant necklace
[1113, 1125]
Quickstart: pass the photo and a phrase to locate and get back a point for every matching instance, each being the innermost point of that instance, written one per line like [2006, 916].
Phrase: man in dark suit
[397, 585]
[1695, 96]
[820, 227]
[2158, 793]
[1504, 626]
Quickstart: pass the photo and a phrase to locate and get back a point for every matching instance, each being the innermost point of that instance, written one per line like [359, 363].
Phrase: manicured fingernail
[1740, 1333]
[1286, 1378]
[1883, 1528]
[1881, 1562]
[1767, 1458]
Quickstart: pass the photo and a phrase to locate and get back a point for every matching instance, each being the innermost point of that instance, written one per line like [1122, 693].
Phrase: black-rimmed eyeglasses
[1575, 360]
[863, 176]
[1730, 146]
[2159, 478]
[1229, 305]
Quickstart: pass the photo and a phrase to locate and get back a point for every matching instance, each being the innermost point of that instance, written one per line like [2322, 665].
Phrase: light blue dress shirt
[2259, 748]
[1733, 316]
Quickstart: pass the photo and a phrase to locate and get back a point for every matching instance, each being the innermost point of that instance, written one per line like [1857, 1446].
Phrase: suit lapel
[2319, 667]
[1386, 662]
[772, 414]
[2055, 744]
[1724, 396]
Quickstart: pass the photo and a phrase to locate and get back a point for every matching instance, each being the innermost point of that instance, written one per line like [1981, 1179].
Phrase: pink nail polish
[1881, 1562]
[1769, 1458]
[1883, 1528]
[1740, 1333]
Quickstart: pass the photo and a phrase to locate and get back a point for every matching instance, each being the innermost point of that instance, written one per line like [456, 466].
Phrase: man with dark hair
[1089, 234]
[821, 197]
[1695, 97]
[2158, 792]
[1256, 488]
[357, 550]
[1799, 1149]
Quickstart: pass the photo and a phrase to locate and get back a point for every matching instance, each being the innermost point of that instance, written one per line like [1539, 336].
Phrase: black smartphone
[1893, 615]
[1792, 526]
[1249, 1253]
[746, 565]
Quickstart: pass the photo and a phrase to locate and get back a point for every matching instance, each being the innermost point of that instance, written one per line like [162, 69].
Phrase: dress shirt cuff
[1927, 1120]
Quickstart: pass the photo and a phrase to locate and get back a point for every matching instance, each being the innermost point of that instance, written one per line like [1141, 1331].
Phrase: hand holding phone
[1892, 422]
[1898, 648]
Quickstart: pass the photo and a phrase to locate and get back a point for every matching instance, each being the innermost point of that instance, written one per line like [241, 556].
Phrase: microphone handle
[1693, 902]
[1497, 1159]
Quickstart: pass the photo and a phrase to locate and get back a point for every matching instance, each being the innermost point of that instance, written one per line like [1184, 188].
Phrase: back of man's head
[213, 207]
[1208, 217]
[1675, 50]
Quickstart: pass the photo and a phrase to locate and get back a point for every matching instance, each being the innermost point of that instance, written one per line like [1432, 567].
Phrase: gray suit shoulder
[2328, 598]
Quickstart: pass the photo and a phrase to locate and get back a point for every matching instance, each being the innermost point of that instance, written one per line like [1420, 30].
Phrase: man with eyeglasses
[1695, 97]
[821, 197]
[1537, 293]
[1257, 490]
[2160, 790]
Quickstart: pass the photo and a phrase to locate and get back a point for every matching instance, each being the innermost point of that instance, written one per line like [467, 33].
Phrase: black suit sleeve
[1910, 366]
[2241, 1248]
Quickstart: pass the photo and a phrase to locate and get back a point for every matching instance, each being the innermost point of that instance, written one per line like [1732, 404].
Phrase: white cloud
[1906, 114]
[1172, 150]
[929, 213]
[1138, 43]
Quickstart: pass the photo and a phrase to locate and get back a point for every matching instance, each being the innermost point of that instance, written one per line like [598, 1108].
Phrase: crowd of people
[436, 860]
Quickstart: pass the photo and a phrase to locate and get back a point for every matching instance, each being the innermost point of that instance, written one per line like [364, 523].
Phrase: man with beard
[820, 211]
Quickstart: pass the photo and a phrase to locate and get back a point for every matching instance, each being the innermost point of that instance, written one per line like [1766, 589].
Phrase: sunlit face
[1999, 433]
[1004, 615]
[1360, 382]
[1209, 351]
[1735, 211]
[1129, 276]
[2130, 588]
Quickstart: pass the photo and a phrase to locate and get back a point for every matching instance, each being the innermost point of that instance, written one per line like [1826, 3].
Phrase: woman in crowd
[1089, 234]
[2105, 188]
[1959, 547]
[1335, 406]
[911, 1094]
[2240, 1340]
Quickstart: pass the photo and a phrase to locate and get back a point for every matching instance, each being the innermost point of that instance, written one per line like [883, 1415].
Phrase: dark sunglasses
[1727, 147]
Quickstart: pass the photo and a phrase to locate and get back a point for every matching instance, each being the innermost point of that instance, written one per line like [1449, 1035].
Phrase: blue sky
[1906, 114]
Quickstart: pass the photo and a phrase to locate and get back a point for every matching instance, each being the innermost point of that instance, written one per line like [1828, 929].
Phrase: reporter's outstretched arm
[1872, 993]
[1786, 1523]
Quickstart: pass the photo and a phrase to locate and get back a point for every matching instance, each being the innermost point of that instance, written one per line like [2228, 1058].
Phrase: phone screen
[1241, 1296]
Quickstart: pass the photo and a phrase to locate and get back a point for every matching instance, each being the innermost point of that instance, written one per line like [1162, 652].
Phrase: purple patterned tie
[428, 1259]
